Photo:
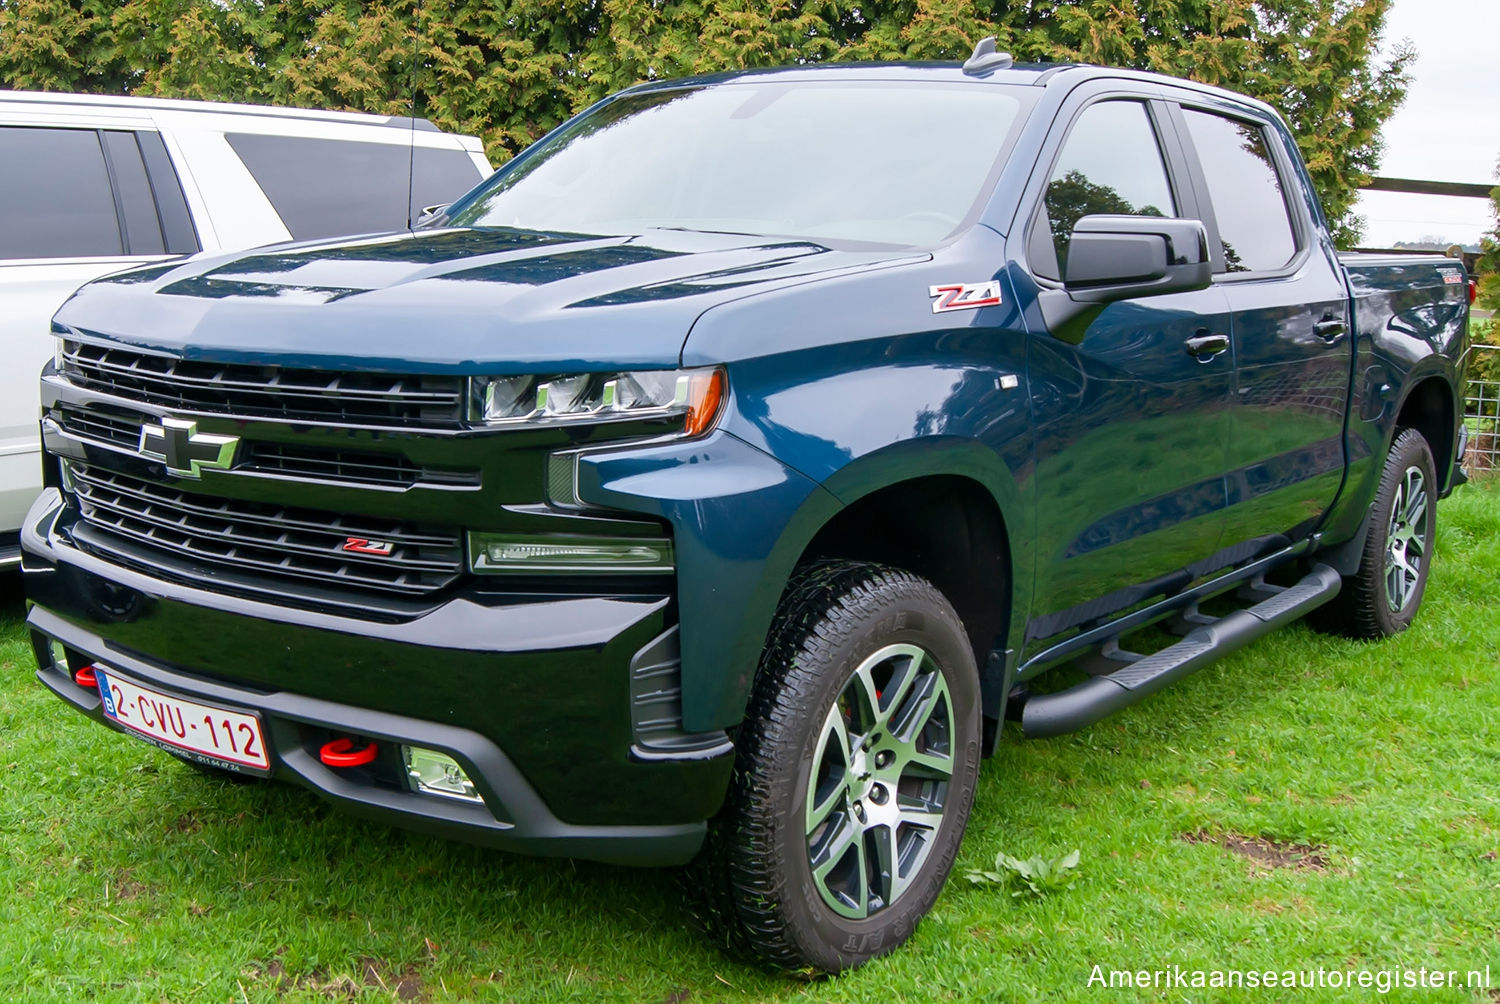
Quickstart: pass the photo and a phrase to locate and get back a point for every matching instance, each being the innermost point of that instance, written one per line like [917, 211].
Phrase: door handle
[1205, 347]
[1329, 328]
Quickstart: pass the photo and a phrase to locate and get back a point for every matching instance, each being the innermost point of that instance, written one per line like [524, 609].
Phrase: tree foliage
[509, 70]
[1489, 255]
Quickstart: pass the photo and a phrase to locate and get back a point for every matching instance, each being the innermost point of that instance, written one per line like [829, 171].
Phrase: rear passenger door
[1289, 326]
[77, 202]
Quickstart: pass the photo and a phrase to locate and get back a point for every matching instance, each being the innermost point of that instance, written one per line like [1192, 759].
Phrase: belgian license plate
[216, 735]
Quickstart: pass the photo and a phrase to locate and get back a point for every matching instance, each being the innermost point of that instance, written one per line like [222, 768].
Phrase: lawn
[1308, 802]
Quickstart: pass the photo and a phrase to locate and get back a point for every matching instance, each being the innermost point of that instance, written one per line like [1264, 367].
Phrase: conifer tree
[509, 70]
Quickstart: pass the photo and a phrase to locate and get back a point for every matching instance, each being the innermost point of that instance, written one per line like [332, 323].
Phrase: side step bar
[1086, 703]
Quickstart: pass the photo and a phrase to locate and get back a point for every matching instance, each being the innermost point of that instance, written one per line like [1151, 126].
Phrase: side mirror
[432, 216]
[1119, 257]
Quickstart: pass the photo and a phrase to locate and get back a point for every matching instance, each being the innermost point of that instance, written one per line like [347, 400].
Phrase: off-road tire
[755, 871]
[1363, 608]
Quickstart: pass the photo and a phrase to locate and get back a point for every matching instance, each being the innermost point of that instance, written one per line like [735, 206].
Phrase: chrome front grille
[262, 539]
[252, 391]
[99, 427]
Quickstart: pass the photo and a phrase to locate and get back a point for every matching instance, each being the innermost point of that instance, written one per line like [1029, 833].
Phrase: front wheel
[856, 770]
[1382, 597]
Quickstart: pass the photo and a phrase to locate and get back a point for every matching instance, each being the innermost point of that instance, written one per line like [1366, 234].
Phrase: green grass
[126, 876]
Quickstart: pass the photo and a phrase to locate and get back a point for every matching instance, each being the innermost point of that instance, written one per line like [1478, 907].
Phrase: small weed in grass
[1036, 875]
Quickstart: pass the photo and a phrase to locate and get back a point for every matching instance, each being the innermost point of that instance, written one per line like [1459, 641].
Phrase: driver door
[1132, 427]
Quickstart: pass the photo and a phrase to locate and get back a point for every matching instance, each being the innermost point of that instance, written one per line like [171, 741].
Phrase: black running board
[1082, 705]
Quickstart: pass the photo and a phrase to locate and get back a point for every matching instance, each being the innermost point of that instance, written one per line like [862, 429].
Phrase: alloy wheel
[879, 782]
[1406, 540]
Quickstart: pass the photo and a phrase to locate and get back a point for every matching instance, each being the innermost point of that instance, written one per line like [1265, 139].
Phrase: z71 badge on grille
[186, 451]
[963, 295]
[364, 545]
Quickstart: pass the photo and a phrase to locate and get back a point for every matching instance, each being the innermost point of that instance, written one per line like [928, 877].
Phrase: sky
[1449, 127]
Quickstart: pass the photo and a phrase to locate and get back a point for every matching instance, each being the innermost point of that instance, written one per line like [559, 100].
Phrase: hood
[465, 301]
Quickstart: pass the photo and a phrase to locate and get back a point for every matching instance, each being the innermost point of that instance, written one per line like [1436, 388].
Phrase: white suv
[90, 185]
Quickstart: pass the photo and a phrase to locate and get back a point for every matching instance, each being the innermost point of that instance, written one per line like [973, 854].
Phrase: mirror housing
[1121, 257]
[432, 216]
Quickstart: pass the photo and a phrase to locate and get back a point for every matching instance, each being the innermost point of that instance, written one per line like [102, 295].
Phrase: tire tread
[735, 878]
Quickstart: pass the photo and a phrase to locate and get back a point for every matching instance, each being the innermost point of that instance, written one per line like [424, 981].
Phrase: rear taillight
[1473, 290]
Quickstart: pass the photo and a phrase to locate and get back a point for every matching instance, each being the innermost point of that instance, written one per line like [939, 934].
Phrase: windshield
[867, 162]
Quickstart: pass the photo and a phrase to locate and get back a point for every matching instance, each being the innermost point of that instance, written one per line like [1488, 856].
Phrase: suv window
[1249, 204]
[55, 196]
[1111, 162]
[330, 188]
[142, 226]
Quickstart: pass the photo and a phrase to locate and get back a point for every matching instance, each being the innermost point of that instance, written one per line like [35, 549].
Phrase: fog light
[59, 654]
[501, 552]
[434, 773]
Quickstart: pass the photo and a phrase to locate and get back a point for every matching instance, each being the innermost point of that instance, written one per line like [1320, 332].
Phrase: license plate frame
[178, 724]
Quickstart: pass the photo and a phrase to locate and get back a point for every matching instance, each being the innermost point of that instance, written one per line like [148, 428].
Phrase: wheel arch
[946, 510]
[1430, 407]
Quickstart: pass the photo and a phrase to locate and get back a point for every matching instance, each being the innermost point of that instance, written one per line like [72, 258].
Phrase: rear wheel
[1383, 596]
[855, 772]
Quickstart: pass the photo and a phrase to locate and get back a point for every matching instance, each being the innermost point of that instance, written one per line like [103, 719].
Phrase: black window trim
[179, 230]
[1302, 228]
[127, 239]
[1179, 177]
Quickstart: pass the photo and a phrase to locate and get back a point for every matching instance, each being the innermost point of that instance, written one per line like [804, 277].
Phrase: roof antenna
[986, 59]
[411, 149]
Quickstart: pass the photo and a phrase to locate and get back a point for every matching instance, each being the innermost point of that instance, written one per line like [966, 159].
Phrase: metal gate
[1482, 416]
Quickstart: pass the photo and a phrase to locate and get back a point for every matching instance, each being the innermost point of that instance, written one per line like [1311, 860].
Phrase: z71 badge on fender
[962, 295]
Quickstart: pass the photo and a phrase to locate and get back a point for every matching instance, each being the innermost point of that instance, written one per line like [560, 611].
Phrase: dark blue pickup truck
[717, 479]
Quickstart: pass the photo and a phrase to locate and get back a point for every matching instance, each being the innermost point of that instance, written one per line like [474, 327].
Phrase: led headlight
[694, 396]
[513, 552]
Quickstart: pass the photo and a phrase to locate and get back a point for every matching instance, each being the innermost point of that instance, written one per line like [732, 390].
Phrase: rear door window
[330, 188]
[1255, 226]
[137, 206]
[1111, 162]
[55, 195]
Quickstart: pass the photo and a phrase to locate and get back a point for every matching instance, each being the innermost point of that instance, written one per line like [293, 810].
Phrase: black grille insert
[266, 391]
[266, 539]
[313, 463]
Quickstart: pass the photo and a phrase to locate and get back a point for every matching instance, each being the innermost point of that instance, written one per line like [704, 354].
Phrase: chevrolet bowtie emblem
[184, 449]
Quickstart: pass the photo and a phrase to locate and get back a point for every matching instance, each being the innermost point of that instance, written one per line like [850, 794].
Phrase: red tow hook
[341, 753]
[85, 678]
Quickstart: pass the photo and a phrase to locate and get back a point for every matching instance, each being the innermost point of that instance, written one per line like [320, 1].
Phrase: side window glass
[440, 176]
[178, 233]
[1111, 162]
[142, 227]
[55, 196]
[1249, 204]
[330, 188]
[326, 187]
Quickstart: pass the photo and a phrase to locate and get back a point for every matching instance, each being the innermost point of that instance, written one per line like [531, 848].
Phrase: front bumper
[532, 695]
